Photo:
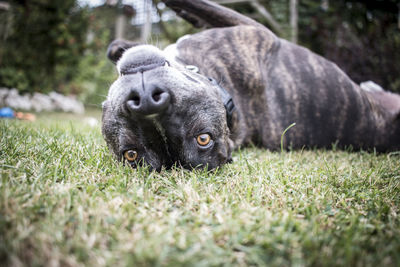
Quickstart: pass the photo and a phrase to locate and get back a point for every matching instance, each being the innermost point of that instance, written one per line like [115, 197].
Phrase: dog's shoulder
[230, 48]
[217, 40]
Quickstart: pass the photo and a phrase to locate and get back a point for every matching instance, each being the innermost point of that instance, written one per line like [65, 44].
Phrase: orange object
[25, 116]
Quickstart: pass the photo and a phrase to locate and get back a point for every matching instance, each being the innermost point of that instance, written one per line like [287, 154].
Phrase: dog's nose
[153, 100]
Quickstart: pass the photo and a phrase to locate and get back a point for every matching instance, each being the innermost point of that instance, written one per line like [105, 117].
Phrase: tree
[46, 42]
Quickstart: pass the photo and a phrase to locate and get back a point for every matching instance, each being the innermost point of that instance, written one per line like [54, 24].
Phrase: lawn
[65, 201]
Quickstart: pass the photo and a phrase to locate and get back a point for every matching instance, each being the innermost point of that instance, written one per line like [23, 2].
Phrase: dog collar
[225, 96]
[227, 101]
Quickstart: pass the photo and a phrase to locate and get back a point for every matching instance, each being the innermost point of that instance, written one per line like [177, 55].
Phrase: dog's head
[159, 113]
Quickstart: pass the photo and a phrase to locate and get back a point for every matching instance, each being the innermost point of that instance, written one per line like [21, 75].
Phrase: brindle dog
[161, 111]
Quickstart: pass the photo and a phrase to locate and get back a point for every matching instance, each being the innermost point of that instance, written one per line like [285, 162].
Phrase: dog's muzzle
[153, 99]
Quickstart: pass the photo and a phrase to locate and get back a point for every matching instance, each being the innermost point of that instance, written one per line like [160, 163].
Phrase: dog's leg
[204, 13]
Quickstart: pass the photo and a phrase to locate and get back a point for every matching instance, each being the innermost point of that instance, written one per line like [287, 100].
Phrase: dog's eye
[130, 155]
[203, 139]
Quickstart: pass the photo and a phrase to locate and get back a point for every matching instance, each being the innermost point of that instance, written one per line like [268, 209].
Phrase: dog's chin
[194, 165]
[208, 166]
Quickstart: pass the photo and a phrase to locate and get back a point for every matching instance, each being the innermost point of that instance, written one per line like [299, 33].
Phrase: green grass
[64, 200]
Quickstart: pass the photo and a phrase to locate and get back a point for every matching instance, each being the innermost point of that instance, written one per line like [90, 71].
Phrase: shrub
[45, 44]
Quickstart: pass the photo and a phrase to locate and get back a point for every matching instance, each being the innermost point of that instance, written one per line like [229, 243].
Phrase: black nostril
[152, 100]
[136, 100]
[157, 95]
[133, 102]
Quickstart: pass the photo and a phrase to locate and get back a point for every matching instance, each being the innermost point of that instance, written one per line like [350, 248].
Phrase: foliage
[173, 30]
[45, 45]
[95, 72]
[65, 201]
[362, 37]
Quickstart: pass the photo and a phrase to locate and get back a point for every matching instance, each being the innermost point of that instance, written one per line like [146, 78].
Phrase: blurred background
[60, 45]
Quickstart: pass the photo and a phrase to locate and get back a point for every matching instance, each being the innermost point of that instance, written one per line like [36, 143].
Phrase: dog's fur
[273, 83]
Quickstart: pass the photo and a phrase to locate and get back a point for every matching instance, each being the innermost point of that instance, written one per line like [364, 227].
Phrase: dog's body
[273, 84]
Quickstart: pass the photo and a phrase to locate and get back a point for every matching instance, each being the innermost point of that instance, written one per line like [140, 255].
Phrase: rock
[3, 96]
[371, 86]
[41, 102]
[66, 104]
[16, 101]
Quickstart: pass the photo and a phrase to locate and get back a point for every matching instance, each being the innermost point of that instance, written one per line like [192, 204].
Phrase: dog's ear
[117, 48]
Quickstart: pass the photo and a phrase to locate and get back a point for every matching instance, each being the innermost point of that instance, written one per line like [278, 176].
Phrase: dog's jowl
[235, 84]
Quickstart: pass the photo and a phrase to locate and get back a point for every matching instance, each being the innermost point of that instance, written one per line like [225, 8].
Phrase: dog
[235, 84]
